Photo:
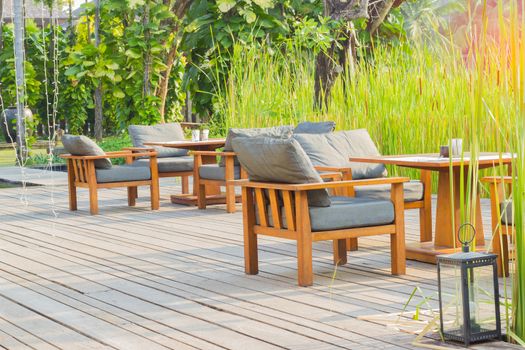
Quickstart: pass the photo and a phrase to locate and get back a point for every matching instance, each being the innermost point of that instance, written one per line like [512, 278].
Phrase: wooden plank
[77, 320]
[38, 329]
[83, 302]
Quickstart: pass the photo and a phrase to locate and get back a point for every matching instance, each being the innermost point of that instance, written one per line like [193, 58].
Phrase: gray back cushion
[79, 145]
[336, 148]
[269, 159]
[280, 132]
[314, 127]
[158, 133]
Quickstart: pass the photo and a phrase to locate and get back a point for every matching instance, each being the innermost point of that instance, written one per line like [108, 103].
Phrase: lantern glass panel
[481, 299]
[451, 299]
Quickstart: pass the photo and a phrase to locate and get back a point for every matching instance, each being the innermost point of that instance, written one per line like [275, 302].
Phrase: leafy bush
[116, 143]
[44, 159]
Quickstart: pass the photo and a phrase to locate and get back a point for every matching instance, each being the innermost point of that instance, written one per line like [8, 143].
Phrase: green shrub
[116, 143]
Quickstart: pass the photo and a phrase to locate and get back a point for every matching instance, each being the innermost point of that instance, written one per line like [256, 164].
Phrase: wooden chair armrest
[139, 149]
[117, 154]
[334, 175]
[335, 169]
[498, 179]
[214, 153]
[323, 185]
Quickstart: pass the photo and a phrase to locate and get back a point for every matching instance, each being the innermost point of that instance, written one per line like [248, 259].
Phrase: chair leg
[155, 197]
[71, 186]
[351, 244]
[500, 247]
[185, 183]
[397, 244]
[251, 257]
[201, 196]
[93, 200]
[132, 196]
[397, 239]
[340, 257]
[72, 197]
[304, 259]
[230, 199]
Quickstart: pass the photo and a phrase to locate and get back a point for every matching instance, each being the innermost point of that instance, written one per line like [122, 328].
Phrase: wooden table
[445, 233]
[213, 193]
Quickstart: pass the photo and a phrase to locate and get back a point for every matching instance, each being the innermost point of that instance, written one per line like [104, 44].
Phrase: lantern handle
[465, 244]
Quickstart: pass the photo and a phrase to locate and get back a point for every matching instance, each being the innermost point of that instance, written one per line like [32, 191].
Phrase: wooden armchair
[216, 175]
[282, 210]
[501, 218]
[82, 173]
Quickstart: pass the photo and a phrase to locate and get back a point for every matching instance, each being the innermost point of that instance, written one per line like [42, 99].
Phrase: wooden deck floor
[131, 278]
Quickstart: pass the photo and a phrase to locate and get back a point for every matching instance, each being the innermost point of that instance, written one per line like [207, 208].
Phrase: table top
[189, 144]
[435, 161]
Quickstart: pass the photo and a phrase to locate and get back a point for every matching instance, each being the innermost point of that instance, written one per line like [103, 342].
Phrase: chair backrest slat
[261, 207]
[79, 173]
[289, 210]
[275, 208]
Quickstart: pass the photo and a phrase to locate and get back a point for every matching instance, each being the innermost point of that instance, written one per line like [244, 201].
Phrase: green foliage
[7, 67]
[116, 143]
[214, 27]
[119, 61]
[426, 20]
[43, 159]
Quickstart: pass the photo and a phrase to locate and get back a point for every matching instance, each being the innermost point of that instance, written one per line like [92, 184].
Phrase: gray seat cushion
[506, 212]
[216, 172]
[269, 159]
[158, 133]
[347, 212]
[279, 132]
[334, 150]
[79, 145]
[123, 173]
[413, 191]
[314, 127]
[170, 164]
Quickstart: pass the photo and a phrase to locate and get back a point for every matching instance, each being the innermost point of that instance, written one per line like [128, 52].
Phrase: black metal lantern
[468, 294]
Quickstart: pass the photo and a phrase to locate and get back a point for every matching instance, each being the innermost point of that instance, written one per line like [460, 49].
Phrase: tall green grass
[410, 100]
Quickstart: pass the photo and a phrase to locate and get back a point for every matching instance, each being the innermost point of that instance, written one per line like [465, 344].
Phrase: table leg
[446, 229]
[447, 220]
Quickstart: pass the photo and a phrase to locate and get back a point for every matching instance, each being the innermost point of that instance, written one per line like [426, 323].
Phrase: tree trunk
[98, 89]
[179, 9]
[88, 24]
[164, 82]
[378, 10]
[18, 20]
[1, 25]
[329, 64]
[70, 23]
[332, 62]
